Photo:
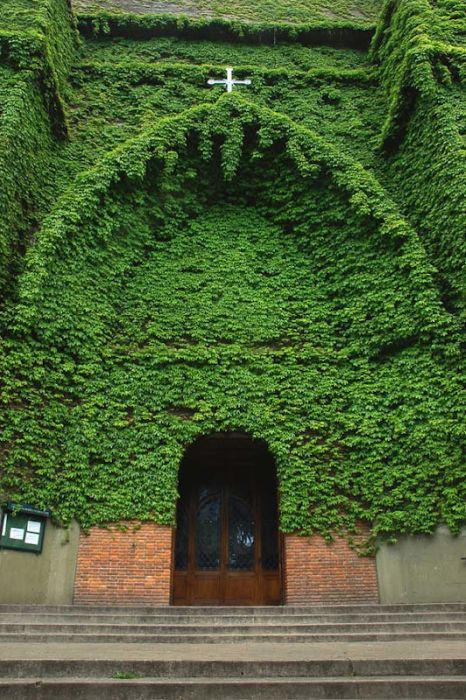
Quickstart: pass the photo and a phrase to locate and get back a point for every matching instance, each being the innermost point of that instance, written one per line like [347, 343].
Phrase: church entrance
[227, 549]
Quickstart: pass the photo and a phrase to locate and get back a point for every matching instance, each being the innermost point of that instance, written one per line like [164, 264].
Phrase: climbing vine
[161, 310]
[38, 46]
[349, 34]
[328, 11]
[424, 132]
[186, 262]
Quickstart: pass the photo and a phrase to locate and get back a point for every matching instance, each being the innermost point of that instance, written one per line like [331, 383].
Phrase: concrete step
[190, 668]
[236, 610]
[222, 636]
[90, 627]
[211, 619]
[194, 625]
[234, 688]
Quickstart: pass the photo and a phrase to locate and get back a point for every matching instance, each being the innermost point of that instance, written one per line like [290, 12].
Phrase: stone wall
[423, 569]
[132, 565]
[46, 578]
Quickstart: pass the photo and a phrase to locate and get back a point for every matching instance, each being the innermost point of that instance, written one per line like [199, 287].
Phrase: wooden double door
[227, 543]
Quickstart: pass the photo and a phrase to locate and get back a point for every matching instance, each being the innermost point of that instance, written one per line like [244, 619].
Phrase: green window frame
[23, 528]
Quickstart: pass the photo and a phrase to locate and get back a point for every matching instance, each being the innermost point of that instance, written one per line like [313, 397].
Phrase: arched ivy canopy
[226, 133]
[230, 270]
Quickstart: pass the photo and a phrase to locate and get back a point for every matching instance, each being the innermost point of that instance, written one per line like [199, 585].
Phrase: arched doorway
[227, 547]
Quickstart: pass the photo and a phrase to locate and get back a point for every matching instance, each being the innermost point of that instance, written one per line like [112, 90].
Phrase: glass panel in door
[241, 532]
[208, 529]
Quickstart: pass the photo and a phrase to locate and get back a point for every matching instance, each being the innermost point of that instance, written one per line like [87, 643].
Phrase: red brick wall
[321, 573]
[133, 567]
[125, 567]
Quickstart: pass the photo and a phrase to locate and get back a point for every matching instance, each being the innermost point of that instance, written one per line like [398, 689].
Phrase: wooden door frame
[265, 462]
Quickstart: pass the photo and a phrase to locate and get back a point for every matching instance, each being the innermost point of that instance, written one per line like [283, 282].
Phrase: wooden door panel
[240, 588]
[205, 589]
[225, 548]
[180, 588]
[271, 588]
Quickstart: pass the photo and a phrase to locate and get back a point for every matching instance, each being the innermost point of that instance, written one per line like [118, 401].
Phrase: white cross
[229, 82]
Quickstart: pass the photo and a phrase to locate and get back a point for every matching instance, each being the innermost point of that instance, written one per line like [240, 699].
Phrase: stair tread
[336, 616]
[72, 680]
[224, 633]
[459, 604]
[232, 638]
[205, 627]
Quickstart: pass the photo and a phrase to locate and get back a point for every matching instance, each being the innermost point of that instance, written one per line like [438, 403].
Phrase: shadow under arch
[227, 543]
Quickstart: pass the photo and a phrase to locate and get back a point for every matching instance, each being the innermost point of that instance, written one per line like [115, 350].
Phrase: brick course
[125, 566]
[133, 566]
[320, 573]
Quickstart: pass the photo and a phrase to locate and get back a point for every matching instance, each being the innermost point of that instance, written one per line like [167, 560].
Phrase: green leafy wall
[423, 72]
[336, 33]
[194, 283]
[37, 47]
[361, 11]
[194, 262]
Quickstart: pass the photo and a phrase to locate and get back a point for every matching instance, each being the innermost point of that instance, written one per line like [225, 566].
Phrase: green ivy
[337, 32]
[427, 160]
[361, 11]
[27, 142]
[172, 49]
[38, 45]
[178, 261]
[162, 309]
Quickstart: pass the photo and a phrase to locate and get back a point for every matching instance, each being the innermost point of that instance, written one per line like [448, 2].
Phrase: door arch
[227, 544]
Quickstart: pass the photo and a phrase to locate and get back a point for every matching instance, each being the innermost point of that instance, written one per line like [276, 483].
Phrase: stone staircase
[84, 652]
[238, 624]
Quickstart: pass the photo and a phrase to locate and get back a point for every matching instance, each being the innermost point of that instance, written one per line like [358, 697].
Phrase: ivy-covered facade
[286, 261]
